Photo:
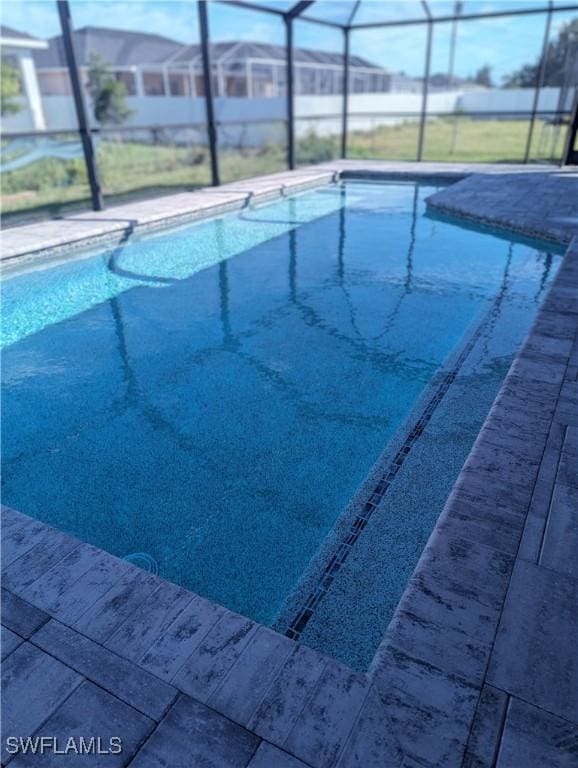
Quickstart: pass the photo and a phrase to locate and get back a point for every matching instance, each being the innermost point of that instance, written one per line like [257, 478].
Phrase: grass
[127, 170]
[130, 170]
[459, 140]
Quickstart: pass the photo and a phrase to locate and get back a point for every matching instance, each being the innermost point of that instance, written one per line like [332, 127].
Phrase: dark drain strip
[346, 545]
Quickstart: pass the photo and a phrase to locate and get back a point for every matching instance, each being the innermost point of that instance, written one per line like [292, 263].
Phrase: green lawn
[459, 140]
[130, 169]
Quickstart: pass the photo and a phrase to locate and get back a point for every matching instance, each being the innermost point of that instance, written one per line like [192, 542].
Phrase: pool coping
[431, 710]
[90, 229]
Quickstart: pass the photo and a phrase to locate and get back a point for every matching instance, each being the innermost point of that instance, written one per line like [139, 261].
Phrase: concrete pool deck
[112, 224]
[479, 666]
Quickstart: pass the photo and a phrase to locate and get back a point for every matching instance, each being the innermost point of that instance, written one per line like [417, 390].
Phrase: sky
[503, 43]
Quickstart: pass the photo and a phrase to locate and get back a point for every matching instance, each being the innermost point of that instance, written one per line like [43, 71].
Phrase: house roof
[236, 49]
[117, 46]
[20, 39]
[10, 32]
[125, 48]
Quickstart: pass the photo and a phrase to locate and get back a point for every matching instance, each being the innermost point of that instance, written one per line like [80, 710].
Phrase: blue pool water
[213, 397]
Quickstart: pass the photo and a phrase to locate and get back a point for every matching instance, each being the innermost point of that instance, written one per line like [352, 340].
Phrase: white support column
[32, 91]
[138, 81]
[221, 90]
[191, 71]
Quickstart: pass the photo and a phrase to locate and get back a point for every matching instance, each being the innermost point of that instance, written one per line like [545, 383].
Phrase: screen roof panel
[337, 11]
[375, 12]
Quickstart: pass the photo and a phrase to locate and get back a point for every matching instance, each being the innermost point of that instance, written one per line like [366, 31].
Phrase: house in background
[18, 50]
[155, 66]
[164, 86]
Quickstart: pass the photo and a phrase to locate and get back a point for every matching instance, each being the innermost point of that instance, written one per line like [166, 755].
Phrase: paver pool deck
[479, 666]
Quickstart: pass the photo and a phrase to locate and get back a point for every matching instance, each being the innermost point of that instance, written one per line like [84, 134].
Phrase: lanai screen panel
[43, 170]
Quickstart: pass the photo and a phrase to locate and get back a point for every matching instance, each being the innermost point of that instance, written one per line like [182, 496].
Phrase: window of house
[306, 80]
[326, 81]
[200, 85]
[54, 83]
[281, 80]
[153, 83]
[233, 79]
[128, 79]
[262, 77]
[179, 84]
[359, 83]
[236, 85]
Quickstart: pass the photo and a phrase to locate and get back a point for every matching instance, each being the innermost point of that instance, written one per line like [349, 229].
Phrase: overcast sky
[503, 43]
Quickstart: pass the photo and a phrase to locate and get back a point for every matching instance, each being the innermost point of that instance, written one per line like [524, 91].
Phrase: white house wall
[268, 114]
[32, 91]
[511, 99]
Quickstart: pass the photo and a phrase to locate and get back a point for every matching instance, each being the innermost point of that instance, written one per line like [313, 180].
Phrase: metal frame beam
[539, 82]
[79, 105]
[208, 83]
[252, 6]
[290, 94]
[425, 86]
[464, 17]
[298, 8]
[570, 154]
[298, 11]
[277, 12]
[321, 22]
[353, 14]
[345, 114]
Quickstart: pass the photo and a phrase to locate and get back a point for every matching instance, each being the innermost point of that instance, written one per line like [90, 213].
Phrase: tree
[560, 58]
[484, 76]
[107, 93]
[10, 88]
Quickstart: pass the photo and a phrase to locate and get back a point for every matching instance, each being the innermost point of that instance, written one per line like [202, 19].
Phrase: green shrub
[315, 149]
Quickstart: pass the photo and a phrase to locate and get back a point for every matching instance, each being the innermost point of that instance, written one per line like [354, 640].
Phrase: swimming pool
[213, 397]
